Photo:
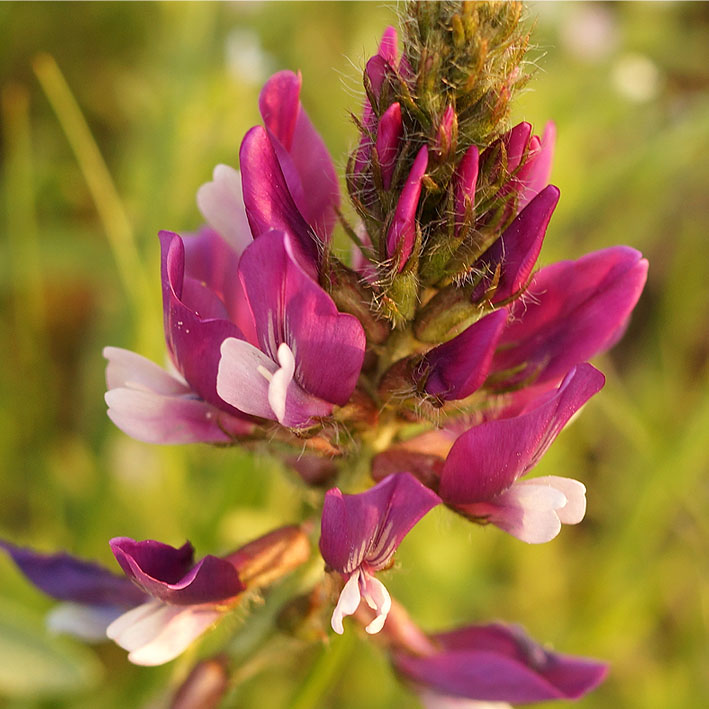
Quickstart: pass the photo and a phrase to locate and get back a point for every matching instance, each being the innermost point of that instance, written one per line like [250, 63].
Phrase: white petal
[378, 599]
[278, 386]
[140, 625]
[347, 604]
[575, 492]
[239, 381]
[222, 205]
[528, 511]
[178, 634]
[155, 633]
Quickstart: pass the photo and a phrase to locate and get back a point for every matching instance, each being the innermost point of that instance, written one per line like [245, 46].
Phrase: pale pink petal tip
[347, 603]
[534, 510]
[222, 205]
[378, 599]
[155, 633]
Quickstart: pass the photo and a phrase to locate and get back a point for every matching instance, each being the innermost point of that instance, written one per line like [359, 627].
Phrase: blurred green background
[167, 91]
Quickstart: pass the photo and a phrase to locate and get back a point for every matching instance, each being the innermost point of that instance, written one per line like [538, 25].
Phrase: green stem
[324, 673]
[98, 179]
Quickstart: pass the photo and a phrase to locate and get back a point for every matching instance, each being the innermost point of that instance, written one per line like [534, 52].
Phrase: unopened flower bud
[465, 181]
[447, 135]
[204, 687]
[267, 558]
[447, 314]
[387, 145]
[352, 295]
[402, 231]
[426, 467]
[314, 470]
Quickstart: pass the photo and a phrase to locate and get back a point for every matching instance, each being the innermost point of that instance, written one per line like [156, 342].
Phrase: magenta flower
[289, 179]
[184, 598]
[457, 368]
[495, 662]
[202, 304]
[306, 356]
[508, 264]
[360, 534]
[529, 160]
[166, 600]
[481, 475]
[576, 309]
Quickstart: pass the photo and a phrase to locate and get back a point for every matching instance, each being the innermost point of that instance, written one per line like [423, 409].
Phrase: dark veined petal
[368, 527]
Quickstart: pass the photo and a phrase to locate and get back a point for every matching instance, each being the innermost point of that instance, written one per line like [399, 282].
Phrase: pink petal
[156, 418]
[268, 200]
[488, 458]
[193, 341]
[317, 191]
[576, 310]
[536, 173]
[525, 510]
[499, 663]
[170, 574]
[457, 368]
[368, 527]
[517, 250]
[131, 370]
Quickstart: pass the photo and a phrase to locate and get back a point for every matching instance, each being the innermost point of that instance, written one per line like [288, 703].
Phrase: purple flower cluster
[266, 340]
